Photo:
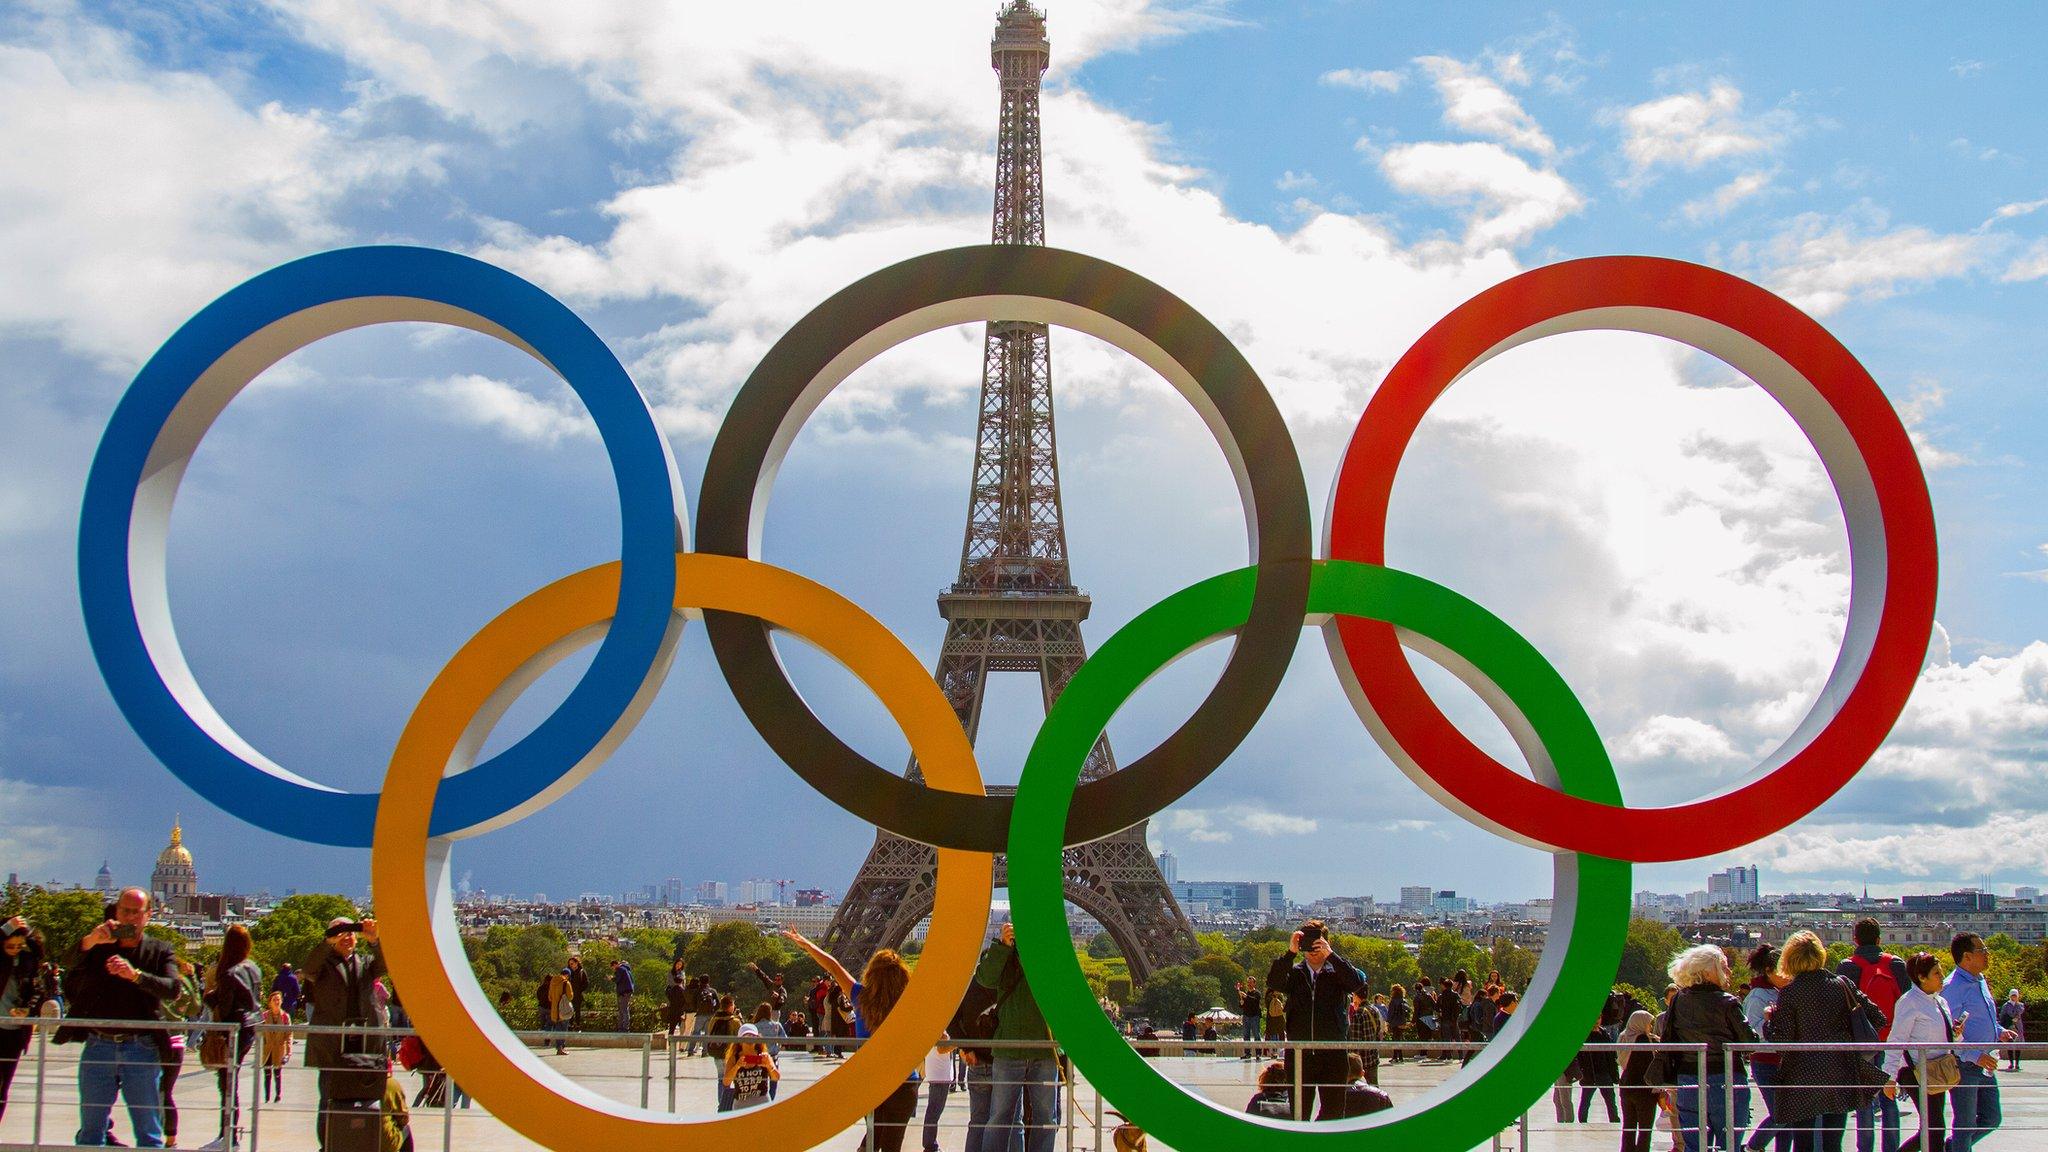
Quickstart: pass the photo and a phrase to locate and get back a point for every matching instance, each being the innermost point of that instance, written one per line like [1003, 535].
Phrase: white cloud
[131, 195]
[1723, 200]
[1692, 129]
[1275, 823]
[2031, 264]
[1475, 102]
[2037, 574]
[517, 415]
[1375, 80]
[1292, 181]
[1215, 825]
[1679, 738]
[2014, 211]
[1509, 200]
[1823, 263]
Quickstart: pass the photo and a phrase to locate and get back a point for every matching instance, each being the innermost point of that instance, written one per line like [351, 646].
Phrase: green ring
[1592, 893]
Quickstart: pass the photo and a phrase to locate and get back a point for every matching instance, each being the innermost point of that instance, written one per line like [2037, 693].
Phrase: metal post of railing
[1296, 1052]
[1920, 1085]
[447, 1111]
[256, 1103]
[1098, 1120]
[1700, 1082]
[1728, 1097]
[672, 1073]
[42, 1061]
[1522, 1129]
[646, 1067]
[1073, 1102]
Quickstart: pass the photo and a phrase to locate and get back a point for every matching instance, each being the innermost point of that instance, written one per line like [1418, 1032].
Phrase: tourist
[1319, 985]
[1024, 1082]
[337, 977]
[1424, 995]
[579, 987]
[975, 1020]
[1638, 1097]
[676, 1001]
[622, 988]
[1975, 1105]
[188, 1004]
[2012, 1016]
[21, 995]
[750, 1074]
[769, 1029]
[277, 1048]
[286, 985]
[771, 986]
[1881, 977]
[122, 974]
[1275, 1012]
[1818, 1089]
[234, 999]
[1362, 1097]
[1248, 1002]
[1450, 1012]
[1504, 1006]
[872, 997]
[1189, 1030]
[1764, 982]
[1922, 1017]
[1274, 1099]
[704, 1002]
[557, 996]
[1599, 1072]
[1704, 1012]
[725, 1021]
[1397, 1018]
[1366, 1028]
[938, 1084]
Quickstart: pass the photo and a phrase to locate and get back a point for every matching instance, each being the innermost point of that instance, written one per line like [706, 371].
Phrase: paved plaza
[617, 1072]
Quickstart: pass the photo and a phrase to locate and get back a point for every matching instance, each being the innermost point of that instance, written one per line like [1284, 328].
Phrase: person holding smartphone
[1319, 985]
[21, 995]
[120, 975]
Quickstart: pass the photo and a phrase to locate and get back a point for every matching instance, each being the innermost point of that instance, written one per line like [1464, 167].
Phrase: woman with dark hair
[234, 999]
[1397, 1018]
[873, 996]
[1757, 1002]
[675, 1010]
[21, 995]
[1921, 1017]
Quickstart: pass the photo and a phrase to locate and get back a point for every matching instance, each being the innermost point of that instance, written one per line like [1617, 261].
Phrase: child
[749, 1070]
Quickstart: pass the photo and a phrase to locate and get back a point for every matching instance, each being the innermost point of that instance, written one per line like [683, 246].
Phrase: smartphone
[126, 932]
[1309, 936]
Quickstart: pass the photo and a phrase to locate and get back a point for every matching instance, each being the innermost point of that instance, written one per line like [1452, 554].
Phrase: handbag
[213, 1050]
[1943, 1070]
[1870, 1078]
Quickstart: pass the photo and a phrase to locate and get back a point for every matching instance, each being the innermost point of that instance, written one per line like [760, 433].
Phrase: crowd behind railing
[1800, 1047]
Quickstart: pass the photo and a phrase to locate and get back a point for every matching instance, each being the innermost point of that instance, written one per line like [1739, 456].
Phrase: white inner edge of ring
[1846, 469]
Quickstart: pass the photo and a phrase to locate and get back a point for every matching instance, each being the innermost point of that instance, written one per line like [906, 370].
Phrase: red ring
[1488, 792]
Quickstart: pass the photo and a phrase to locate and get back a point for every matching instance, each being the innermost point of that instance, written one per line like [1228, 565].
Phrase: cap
[749, 1030]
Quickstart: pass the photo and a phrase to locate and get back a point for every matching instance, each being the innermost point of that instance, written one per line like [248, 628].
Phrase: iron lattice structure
[1015, 607]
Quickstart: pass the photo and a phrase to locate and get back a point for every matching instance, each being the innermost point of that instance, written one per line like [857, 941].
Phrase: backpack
[1875, 980]
[1276, 1003]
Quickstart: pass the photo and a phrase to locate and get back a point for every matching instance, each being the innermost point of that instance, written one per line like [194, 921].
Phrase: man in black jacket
[121, 974]
[1319, 986]
[339, 981]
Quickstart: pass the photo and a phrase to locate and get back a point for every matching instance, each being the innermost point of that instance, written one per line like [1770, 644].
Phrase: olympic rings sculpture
[435, 794]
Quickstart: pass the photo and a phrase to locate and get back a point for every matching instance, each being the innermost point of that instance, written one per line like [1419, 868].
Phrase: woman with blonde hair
[1818, 1089]
[881, 984]
[1703, 1012]
[277, 1049]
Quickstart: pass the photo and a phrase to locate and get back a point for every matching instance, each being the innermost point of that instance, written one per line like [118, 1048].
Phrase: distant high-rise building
[1737, 885]
[2027, 892]
[711, 892]
[810, 897]
[1417, 897]
[1169, 866]
[672, 891]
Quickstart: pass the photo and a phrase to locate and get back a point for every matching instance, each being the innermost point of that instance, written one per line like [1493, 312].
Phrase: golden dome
[175, 853]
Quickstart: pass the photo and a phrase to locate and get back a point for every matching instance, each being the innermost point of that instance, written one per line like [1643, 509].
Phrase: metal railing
[677, 1082]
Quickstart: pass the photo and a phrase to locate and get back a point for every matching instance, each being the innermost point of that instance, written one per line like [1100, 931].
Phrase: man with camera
[121, 974]
[1319, 985]
[339, 981]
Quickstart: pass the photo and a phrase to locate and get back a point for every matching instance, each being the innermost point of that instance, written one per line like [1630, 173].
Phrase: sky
[1322, 180]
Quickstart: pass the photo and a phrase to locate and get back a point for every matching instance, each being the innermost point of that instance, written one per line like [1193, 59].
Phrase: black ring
[1009, 282]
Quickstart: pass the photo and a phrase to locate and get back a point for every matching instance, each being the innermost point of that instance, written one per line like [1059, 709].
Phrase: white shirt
[1917, 1019]
[938, 1067]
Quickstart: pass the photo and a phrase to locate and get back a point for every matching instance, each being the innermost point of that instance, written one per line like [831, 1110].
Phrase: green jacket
[1017, 1014]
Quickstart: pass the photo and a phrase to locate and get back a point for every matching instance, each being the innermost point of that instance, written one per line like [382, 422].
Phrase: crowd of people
[1931, 1038]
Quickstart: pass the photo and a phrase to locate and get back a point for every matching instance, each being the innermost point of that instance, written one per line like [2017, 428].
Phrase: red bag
[411, 1053]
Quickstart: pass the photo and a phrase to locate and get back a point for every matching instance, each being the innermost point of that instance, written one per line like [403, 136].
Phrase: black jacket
[1599, 1067]
[1814, 1009]
[1318, 1008]
[342, 992]
[1705, 1014]
[96, 994]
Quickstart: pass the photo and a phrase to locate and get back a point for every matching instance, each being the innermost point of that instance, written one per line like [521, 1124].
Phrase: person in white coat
[1921, 1017]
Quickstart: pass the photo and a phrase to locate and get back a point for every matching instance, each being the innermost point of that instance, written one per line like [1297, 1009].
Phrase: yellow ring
[410, 871]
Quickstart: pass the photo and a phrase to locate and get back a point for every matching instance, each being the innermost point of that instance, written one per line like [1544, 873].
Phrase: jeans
[132, 1068]
[1766, 1077]
[1251, 1032]
[625, 1011]
[1688, 1093]
[980, 1081]
[936, 1092]
[1974, 1108]
[1880, 1111]
[560, 1028]
[1026, 1088]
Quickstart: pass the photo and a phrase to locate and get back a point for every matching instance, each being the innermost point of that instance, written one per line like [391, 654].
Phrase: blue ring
[635, 650]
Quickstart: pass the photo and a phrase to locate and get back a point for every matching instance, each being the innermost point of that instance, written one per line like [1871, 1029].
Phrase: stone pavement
[617, 1073]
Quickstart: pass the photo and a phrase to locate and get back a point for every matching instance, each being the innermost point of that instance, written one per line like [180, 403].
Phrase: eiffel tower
[1015, 607]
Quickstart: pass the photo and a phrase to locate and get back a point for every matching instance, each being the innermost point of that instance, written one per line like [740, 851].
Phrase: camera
[126, 932]
[1310, 933]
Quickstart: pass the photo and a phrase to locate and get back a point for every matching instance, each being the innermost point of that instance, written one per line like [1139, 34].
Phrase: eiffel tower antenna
[1014, 607]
